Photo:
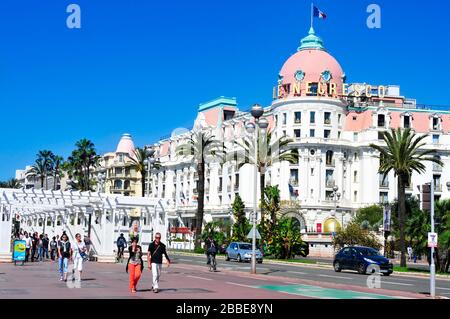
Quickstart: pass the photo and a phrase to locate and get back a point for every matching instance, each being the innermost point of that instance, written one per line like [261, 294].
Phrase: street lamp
[101, 177]
[336, 196]
[252, 128]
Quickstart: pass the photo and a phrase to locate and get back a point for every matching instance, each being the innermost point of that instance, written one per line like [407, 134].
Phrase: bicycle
[119, 257]
[212, 262]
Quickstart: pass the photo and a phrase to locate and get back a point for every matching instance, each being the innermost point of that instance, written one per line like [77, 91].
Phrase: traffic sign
[250, 234]
[432, 240]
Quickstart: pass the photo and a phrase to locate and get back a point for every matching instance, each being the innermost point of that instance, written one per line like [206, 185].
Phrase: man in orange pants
[135, 264]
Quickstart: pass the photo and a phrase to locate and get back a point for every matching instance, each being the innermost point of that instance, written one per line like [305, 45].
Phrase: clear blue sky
[143, 66]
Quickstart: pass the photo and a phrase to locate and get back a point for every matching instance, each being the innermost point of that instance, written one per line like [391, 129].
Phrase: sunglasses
[157, 237]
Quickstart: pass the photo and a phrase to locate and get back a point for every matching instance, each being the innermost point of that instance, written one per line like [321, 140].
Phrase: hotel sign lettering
[327, 89]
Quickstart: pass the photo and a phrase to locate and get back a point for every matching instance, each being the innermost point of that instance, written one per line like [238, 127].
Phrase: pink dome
[309, 65]
[126, 145]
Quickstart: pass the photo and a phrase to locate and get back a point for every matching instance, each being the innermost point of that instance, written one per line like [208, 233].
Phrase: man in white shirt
[28, 244]
[79, 251]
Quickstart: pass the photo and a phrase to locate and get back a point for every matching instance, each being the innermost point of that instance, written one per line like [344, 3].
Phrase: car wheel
[386, 274]
[337, 266]
[227, 258]
[259, 261]
[361, 269]
[239, 259]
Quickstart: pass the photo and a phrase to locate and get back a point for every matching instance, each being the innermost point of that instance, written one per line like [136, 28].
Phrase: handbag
[83, 255]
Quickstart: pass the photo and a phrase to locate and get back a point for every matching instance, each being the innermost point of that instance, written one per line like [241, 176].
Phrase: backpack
[121, 242]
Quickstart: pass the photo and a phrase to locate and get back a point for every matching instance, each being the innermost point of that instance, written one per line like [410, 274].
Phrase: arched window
[329, 158]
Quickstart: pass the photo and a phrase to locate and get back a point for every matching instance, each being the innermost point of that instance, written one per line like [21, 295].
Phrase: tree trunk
[42, 182]
[201, 201]
[143, 183]
[401, 217]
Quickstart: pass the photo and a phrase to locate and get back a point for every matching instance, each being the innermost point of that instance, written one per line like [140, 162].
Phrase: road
[188, 278]
[396, 282]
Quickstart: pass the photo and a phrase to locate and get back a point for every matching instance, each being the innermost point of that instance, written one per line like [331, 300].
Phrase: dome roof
[126, 145]
[312, 63]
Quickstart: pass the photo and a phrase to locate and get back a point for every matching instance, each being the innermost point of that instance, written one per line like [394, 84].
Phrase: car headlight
[247, 255]
[370, 261]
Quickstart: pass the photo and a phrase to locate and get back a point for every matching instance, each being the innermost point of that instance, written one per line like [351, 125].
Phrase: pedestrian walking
[65, 254]
[155, 253]
[45, 243]
[410, 252]
[40, 247]
[53, 249]
[34, 242]
[135, 264]
[79, 255]
[28, 244]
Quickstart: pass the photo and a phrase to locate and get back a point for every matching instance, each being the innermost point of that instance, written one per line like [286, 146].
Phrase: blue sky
[143, 66]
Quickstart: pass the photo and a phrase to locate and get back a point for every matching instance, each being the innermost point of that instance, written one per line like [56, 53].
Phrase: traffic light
[426, 197]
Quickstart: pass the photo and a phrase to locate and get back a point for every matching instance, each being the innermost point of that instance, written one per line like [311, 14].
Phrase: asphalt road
[393, 282]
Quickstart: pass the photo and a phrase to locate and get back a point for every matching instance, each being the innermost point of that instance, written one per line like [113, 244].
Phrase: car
[241, 251]
[362, 259]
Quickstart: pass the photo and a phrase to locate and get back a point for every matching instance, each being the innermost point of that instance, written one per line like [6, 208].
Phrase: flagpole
[312, 5]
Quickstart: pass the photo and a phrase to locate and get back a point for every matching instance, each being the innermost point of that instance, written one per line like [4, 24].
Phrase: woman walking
[135, 264]
[79, 254]
[65, 254]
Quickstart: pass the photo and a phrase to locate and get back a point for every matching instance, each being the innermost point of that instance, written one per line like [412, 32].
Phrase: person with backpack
[211, 250]
[65, 254]
[121, 245]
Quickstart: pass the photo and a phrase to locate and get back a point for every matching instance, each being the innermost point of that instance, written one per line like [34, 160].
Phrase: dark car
[362, 259]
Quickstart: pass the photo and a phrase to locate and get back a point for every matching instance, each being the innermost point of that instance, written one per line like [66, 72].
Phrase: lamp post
[252, 128]
[101, 177]
[149, 161]
[336, 196]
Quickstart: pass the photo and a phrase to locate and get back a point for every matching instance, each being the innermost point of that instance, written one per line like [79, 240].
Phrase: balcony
[293, 182]
[438, 188]
[330, 183]
[219, 188]
[182, 178]
[384, 184]
[327, 121]
[437, 168]
[330, 163]
[236, 187]
[195, 191]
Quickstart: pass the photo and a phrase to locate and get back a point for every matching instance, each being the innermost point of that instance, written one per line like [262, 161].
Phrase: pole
[312, 13]
[255, 189]
[432, 265]
[148, 177]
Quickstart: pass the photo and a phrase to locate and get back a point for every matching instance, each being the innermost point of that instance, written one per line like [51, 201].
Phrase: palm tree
[140, 165]
[57, 162]
[403, 155]
[46, 157]
[38, 170]
[80, 162]
[269, 153]
[201, 145]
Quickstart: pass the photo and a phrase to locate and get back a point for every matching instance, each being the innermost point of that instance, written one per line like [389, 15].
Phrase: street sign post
[250, 234]
[432, 240]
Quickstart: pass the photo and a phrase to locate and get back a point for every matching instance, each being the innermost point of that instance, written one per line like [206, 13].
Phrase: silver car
[242, 252]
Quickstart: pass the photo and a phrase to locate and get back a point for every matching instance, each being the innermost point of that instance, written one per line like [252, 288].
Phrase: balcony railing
[293, 182]
[331, 163]
[195, 175]
[219, 188]
[384, 184]
[236, 187]
[195, 191]
[438, 188]
[330, 183]
[437, 168]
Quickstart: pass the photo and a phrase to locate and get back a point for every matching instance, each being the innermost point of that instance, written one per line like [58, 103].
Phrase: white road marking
[297, 272]
[395, 283]
[199, 277]
[338, 277]
[233, 283]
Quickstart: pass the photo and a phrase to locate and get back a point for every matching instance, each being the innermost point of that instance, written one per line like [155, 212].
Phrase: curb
[318, 265]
